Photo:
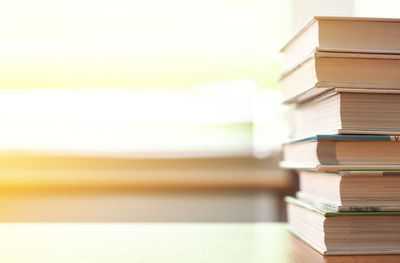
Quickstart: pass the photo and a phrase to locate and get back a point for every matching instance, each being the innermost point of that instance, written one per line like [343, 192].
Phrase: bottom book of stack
[302, 253]
[344, 233]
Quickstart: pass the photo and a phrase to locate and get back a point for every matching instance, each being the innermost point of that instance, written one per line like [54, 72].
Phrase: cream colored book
[343, 34]
[301, 252]
[352, 112]
[351, 190]
[322, 71]
[344, 233]
[343, 152]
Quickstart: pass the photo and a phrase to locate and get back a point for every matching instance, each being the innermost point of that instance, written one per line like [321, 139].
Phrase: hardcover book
[301, 252]
[322, 71]
[351, 190]
[343, 34]
[343, 152]
[344, 233]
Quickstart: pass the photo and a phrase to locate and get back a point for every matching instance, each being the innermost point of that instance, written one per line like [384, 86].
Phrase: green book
[344, 233]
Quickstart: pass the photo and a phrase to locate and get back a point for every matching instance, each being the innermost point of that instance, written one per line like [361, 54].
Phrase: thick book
[301, 252]
[351, 190]
[322, 71]
[343, 34]
[343, 152]
[344, 233]
[348, 112]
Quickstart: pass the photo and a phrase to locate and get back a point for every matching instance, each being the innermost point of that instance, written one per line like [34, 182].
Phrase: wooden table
[95, 242]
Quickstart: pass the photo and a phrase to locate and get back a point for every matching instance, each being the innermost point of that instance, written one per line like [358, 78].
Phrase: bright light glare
[92, 76]
[129, 121]
[155, 43]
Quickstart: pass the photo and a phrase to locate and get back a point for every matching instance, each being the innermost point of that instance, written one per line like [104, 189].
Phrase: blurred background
[148, 111]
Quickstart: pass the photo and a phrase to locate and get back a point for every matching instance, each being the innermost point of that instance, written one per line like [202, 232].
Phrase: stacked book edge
[343, 77]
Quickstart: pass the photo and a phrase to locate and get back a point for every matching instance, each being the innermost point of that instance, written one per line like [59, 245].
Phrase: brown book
[351, 112]
[326, 70]
[343, 152]
[343, 34]
[345, 233]
[351, 190]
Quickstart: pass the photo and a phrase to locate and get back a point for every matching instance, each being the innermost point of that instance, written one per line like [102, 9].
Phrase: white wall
[304, 10]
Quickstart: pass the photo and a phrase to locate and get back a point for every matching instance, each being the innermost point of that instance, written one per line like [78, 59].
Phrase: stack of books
[343, 77]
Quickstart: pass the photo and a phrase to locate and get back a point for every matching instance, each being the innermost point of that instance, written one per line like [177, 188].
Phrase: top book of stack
[325, 44]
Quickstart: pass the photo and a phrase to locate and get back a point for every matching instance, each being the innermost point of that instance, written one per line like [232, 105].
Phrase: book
[322, 71]
[351, 190]
[344, 233]
[343, 34]
[349, 112]
[343, 152]
[343, 77]
[301, 252]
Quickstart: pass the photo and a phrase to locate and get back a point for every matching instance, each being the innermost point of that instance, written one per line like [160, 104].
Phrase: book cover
[348, 137]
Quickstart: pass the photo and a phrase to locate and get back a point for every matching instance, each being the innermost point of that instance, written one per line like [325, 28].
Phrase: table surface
[133, 242]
